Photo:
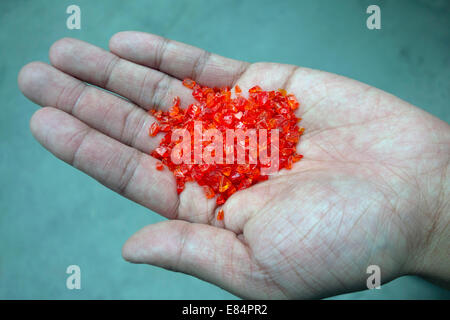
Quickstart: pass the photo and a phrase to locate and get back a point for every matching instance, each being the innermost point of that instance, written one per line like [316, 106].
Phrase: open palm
[363, 194]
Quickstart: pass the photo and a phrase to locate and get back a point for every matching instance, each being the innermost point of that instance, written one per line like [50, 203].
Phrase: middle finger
[144, 86]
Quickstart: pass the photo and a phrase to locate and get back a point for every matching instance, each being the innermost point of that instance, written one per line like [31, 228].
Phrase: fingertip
[134, 249]
[59, 50]
[34, 123]
[127, 252]
[58, 132]
[118, 39]
[133, 45]
[128, 249]
[29, 76]
[37, 121]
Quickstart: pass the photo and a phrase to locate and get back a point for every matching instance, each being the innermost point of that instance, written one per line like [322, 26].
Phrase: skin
[372, 188]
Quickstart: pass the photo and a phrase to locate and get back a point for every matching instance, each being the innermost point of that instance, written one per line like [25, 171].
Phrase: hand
[372, 187]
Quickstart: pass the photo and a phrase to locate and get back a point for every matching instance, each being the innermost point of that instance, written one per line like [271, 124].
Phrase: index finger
[177, 59]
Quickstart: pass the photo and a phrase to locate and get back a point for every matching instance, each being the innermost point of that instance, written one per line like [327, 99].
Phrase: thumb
[206, 252]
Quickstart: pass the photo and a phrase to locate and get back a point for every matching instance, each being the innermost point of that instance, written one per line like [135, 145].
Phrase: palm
[308, 232]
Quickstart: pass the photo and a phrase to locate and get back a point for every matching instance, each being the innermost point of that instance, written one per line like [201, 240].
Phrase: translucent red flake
[159, 166]
[154, 129]
[224, 184]
[209, 192]
[189, 83]
[297, 157]
[220, 199]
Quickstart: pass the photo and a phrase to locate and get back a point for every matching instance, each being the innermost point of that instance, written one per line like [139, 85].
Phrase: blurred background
[52, 216]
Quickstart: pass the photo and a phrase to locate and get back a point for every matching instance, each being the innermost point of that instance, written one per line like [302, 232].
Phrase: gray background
[52, 216]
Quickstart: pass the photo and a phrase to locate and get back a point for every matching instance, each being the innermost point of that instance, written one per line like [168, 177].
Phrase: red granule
[220, 215]
[159, 166]
[217, 109]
